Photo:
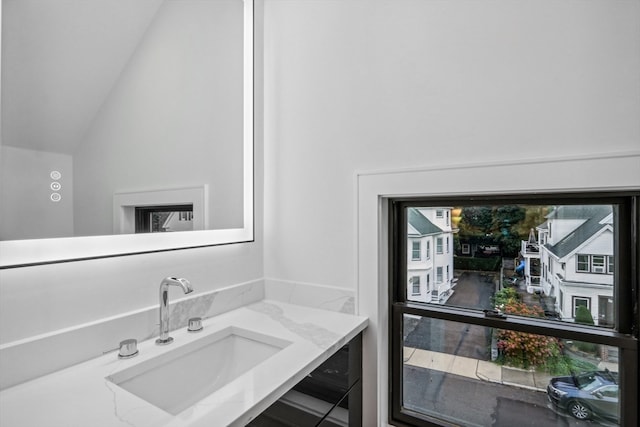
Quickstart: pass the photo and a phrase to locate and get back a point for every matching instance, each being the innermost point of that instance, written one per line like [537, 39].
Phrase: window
[466, 248]
[415, 250]
[428, 383]
[582, 263]
[428, 282]
[415, 285]
[439, 213]
[447, 244]
[598, 264]
[428, 250]
[439, 245]
[166, 218]
[448, 223]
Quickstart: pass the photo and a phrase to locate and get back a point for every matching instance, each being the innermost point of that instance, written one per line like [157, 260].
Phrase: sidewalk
[476, 369]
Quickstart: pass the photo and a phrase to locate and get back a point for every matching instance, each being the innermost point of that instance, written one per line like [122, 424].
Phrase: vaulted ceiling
[60, 60]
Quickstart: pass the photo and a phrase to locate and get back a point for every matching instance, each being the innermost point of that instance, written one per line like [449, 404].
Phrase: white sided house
[429, 254]
[576, 260]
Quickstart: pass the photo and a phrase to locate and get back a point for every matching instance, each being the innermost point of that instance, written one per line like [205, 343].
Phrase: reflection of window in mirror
[160, 219]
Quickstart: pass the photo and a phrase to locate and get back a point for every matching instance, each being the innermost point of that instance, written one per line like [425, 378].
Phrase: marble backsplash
[39, 355]
[341, 300]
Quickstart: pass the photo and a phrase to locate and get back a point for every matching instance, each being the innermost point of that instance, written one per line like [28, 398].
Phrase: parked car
[587, 395]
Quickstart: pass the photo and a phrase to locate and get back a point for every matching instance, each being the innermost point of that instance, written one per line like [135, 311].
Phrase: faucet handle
[128, 348]
[195, 324]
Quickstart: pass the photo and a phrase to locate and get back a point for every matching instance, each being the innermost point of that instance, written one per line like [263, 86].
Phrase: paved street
[477, 403]
[467, 400]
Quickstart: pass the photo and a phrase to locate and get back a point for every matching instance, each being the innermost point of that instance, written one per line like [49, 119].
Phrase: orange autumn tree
[524, 350]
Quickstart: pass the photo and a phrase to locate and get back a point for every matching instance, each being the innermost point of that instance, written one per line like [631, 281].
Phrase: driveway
[455, 338]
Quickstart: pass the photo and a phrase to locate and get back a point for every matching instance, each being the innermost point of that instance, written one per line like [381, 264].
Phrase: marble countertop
[82, 396]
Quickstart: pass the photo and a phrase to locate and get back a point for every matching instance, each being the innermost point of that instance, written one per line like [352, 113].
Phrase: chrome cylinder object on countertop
[128, 348]
[195, 324]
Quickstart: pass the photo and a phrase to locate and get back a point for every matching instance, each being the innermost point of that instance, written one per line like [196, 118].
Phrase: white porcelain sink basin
[179, 378]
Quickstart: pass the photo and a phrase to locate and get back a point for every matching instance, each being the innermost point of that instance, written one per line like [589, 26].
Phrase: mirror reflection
[111, 107]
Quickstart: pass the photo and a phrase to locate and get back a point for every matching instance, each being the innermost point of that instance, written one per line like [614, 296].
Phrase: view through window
[162, 219]
[521, 316]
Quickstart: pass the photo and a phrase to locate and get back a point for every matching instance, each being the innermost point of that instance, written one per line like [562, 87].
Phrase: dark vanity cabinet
[330, 396]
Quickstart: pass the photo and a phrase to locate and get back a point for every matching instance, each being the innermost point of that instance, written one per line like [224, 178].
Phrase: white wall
[368, 85]
[26, 208]
[363, 85]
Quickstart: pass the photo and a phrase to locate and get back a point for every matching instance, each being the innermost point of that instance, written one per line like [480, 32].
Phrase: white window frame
[439, 245]
[465, 248]
[585, 261]
[599, 268]
[415, 282]
[610, 264]
[438, 274]
[415, 251]
[428, 249]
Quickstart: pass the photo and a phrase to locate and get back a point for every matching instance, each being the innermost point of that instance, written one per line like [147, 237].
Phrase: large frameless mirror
[127, 127]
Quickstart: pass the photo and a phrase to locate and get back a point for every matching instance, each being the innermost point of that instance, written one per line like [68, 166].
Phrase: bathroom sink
[179, 378]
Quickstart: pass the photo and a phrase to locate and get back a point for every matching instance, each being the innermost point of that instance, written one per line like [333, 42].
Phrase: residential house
[430, 254]
[576, 261]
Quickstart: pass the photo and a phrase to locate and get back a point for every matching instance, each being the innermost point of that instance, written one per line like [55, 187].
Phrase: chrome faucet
[164, 305]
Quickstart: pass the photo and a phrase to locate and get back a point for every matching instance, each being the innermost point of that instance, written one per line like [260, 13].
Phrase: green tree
[477, 219]
[506, 220]
[583, 315]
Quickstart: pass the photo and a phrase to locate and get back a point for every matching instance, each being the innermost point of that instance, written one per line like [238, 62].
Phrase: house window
[582, 263]
[581, 301]
[422, 372]
[598, 264]
[447, 244]
[448, 223]
[439, 245]
[439, 213]
[415, 250]
[415, 285]
[428, 282]
[428, 249]
[447, 273]
[466, 248]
